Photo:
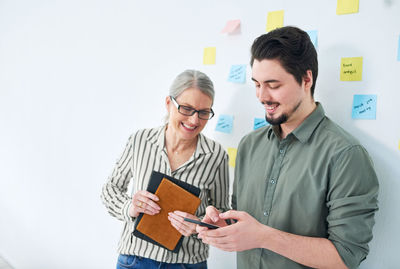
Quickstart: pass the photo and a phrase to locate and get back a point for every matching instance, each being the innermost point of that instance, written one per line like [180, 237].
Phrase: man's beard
[282, 118]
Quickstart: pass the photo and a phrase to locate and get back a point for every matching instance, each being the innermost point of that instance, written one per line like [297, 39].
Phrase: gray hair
[192, 79]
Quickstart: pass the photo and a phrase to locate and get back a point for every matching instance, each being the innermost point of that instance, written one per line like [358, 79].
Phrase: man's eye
[274, 86]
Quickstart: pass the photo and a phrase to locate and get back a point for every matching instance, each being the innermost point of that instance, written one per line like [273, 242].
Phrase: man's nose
[263, 93]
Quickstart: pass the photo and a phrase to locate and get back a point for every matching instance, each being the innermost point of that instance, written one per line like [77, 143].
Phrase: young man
[305, 190]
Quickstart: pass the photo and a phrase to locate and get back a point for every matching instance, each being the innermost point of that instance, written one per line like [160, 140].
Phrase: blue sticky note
[314, 37]
[259, 122]
[364, 107]
[224, 124]
[398, 51]
[237, 73]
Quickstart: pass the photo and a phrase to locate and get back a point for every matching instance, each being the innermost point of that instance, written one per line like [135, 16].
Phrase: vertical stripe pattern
[145, 151]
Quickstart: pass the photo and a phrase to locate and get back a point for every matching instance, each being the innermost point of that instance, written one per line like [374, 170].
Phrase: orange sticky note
[231, 26]
[351, 69]
[209, 55]
[274, 20]
[346, 7]
[232, 156]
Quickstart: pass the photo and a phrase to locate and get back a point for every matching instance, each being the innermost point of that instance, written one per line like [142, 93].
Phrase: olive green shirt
[318, 181]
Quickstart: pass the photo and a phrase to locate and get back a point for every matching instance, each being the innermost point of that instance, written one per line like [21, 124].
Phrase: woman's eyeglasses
[205, 114]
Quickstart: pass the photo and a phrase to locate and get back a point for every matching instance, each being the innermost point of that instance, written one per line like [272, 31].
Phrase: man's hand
[245, 234]
[211, 217]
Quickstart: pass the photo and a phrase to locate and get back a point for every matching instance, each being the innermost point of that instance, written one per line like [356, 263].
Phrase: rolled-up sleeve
[113, 194]
[352, 202]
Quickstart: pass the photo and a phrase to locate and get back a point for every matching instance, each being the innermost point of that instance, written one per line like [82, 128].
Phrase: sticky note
[314, 37]
[232, 156]
[224, 124]
[351, 69]
[364, 107]
[209, 55]
[231, 26]
[260, 122]
[274, 20]
[398, 51]
[346, 7]
[237, 73]
[399, 144]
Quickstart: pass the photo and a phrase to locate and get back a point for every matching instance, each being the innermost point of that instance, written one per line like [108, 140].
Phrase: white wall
[77, 77]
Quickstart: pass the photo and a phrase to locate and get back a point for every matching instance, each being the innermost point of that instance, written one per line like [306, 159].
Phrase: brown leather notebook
[172, 197]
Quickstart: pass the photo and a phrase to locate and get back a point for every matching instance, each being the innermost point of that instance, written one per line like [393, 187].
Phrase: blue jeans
[136, 262]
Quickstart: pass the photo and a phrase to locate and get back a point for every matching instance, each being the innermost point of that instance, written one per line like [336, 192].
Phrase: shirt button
[266, 213]
[272, 181]
[281, 151]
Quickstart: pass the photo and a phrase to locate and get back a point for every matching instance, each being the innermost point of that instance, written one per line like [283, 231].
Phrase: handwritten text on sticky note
[209, 55]
[237, 73]
[224, 124]
[364, 107]
[274, 20]
[351, 69]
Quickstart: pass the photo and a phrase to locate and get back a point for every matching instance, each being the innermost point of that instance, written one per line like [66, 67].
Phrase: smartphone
[209, 226]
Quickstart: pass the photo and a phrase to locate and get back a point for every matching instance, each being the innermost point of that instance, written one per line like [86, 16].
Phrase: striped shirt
[145, 151]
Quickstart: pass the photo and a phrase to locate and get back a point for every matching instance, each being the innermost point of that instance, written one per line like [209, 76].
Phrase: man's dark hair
[292, 47]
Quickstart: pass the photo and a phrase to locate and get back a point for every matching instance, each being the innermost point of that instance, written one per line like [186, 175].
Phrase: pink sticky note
[231, 26]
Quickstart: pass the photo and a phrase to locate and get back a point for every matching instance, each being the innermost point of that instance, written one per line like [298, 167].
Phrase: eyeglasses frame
[178, 106]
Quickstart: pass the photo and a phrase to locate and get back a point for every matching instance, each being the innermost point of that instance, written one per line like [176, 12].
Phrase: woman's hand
[144, 202]
[184, 227]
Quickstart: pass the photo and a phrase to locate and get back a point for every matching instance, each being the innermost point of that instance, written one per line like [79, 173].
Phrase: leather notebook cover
[174, 195]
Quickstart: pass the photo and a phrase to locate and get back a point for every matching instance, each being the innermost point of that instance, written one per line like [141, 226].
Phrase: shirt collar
[306, 128]
[158, 139]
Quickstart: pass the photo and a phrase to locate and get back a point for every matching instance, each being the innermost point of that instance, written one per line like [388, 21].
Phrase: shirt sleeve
[220, 192]
[237, 173]
[352, 203]
[114, 196]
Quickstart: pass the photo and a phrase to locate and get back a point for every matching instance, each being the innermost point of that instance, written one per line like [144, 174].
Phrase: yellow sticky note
[351, 69]
[209, 55]
[346, 7]
[232, 156]
[274, 20]
[399, 144]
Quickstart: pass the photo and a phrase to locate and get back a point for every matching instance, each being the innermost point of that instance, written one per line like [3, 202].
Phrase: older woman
[177, 149]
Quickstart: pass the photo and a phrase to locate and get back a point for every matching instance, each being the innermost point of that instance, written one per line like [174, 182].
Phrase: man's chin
[276, 121]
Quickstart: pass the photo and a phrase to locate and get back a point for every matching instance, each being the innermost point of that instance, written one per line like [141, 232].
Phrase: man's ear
[308, 80]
